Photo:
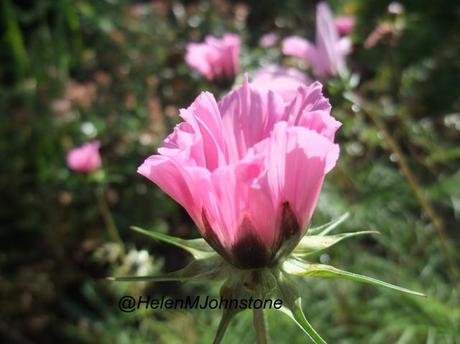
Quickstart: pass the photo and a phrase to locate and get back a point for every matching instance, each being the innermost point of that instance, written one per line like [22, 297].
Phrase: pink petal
[268, 40]
[310, 109]
[228, 203]
[215, 58]
[179, 181]
[85, 158]
[327, 55]
[296, 163]
[200, 57]
[205, 119]
[327, 39]
[248, 116]
[344, 24]
[298, 47]
[344, 46]
[282, 80]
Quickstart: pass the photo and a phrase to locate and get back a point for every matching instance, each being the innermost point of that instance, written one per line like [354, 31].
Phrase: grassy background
[71, 71]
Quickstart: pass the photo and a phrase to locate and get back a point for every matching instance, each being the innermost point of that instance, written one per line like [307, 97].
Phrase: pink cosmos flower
[268, 40]
[85, 158]
[218, 59]
[284, 81]
[327, 54]
[249, 168]
[344, 24]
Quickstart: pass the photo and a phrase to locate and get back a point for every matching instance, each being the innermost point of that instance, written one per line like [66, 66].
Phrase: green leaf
[292, 306]
[313, 243]
[14, 39]
[444, 154]
[206, 269]
[299, 318]
[300, 268]
[199, 248]
[328, 227]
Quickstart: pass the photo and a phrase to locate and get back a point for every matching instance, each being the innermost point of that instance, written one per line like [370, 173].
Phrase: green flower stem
[108, 219]
[260, 326]
[223, 325]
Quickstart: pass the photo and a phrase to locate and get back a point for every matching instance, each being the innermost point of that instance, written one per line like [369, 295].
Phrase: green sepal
[292, 305]
[207, 269]
[313, 243]
[328, 227]
[302, 268]
[199, 248]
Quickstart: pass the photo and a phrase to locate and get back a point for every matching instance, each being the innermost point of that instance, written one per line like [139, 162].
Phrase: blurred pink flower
[344, 24]
[218, 59]
[249, 168]
[327, 55]
[268, 40]
[395, 8]
[85, 158]
[284, 81]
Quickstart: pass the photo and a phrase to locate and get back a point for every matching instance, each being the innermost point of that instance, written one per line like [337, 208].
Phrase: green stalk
[260, 326]
[223, 325]
[108, 219]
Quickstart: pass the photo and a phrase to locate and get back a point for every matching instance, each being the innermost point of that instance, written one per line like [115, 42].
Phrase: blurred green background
[76, 70]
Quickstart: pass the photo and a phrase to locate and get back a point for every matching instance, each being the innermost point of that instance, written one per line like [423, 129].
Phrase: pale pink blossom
[285, 81]
[249, 168]
[217, 59]
[395, 8]
[268, 40]
[84, 158]
[344, 24]
[327, 55]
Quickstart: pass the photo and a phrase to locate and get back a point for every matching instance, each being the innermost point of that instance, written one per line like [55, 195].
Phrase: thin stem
[413, 182]
[260, 326]
[108, 218]
[223, 325]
